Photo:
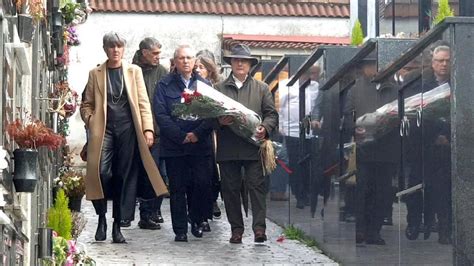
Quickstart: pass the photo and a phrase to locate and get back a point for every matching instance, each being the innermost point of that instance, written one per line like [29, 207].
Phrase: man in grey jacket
[148, 58]
[235, 153]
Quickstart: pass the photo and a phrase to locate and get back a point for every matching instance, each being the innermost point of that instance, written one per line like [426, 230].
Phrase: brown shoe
[260, 236]
[236, 238]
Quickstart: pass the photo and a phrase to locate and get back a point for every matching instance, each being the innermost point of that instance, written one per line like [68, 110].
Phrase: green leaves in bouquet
[198, 105]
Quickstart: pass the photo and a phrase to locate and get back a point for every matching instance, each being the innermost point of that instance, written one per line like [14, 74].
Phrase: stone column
[462, 135]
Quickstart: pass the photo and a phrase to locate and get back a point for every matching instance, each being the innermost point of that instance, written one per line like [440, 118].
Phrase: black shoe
[300, 204]
[307, 202]
[412, 232]
[426, 232]
[101, 232]
[360, 238]
[181, 238]
[196, 230]
[377, 240]
[125, 223]
[157, 218]
[444, 239]
[148, 223]
[205, 227]
[117, 236]
[216, 211]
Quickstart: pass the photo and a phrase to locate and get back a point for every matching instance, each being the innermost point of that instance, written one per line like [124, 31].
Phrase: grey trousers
[231, 186]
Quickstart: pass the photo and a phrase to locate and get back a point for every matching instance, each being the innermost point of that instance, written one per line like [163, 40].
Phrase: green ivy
[59, 216]
[444, 10]
[357, 37]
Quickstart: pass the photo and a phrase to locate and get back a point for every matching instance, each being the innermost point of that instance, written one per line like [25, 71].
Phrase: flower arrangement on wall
[33, 133]
[64, 99]
[73, 14]
[36, 8]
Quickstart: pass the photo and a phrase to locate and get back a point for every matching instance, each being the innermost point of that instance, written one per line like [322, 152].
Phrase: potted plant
[27, 21]
[72, 182]
[29, 136]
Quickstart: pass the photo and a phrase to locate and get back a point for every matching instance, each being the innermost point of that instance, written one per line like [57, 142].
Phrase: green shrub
[444, 10]
[59, 216]
[357, 37]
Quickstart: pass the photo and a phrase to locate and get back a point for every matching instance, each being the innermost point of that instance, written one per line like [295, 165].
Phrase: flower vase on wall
[25, 174]
[75, 203]
[26, 28]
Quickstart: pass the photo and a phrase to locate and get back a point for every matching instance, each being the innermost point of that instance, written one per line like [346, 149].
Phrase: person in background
[207, 69]
[148, 59]
[117, 112]
[433, 139]
[186, 148]
[290, 128]
[235, 153]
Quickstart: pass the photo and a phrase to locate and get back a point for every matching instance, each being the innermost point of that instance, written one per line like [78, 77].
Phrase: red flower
[187, 97]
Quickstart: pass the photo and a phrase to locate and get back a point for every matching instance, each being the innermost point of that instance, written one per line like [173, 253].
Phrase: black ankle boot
[101, 232]
[117, 236]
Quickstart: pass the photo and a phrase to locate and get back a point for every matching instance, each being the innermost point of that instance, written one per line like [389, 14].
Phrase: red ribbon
[284, 166]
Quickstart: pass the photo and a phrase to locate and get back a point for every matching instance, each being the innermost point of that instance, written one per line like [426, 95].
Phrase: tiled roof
[296, 8]
[282, 42]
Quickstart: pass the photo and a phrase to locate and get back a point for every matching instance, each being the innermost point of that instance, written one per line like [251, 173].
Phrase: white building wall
[199, 31]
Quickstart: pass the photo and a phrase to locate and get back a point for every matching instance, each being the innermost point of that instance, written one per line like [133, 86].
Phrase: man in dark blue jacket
[185, 146]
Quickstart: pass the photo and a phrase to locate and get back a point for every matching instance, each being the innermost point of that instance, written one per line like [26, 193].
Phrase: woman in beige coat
[117, 112]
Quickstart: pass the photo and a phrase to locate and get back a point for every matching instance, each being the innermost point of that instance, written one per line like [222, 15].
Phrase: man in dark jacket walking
[235, 153]
[148, 58]
[186, 148]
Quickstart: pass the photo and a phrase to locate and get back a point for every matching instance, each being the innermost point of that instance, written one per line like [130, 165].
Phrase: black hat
[240, 51]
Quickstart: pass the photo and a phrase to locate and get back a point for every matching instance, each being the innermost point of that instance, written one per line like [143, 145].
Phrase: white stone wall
[200, 31]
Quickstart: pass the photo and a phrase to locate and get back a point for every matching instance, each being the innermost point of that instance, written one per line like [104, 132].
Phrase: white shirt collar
[239, 83]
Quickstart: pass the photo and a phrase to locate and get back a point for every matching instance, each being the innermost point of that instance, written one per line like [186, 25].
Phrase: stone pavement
[148, 247]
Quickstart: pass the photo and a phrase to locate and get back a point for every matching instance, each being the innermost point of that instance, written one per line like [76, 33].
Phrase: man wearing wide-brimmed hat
[233, 152]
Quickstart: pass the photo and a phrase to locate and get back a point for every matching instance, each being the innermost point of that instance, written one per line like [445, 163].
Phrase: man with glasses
[185, 146]
[434, 171]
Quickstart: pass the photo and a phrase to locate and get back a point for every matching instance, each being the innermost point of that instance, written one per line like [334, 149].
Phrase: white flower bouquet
[205, 102]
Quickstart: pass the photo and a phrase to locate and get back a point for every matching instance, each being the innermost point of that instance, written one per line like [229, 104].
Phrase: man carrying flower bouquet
[185, 146]
[235, 153]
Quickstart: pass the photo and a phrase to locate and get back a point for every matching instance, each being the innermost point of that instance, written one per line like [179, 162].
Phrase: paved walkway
[147, 247]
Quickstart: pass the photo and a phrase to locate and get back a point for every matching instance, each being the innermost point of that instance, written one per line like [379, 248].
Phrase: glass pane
[299, 101]
[405, 19]
[339, 188]
[310, 145]
[426, 230]
[376, 138]
[277, 202]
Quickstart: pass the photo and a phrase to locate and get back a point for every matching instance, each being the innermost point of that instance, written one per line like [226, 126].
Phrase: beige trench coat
[94, 113]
